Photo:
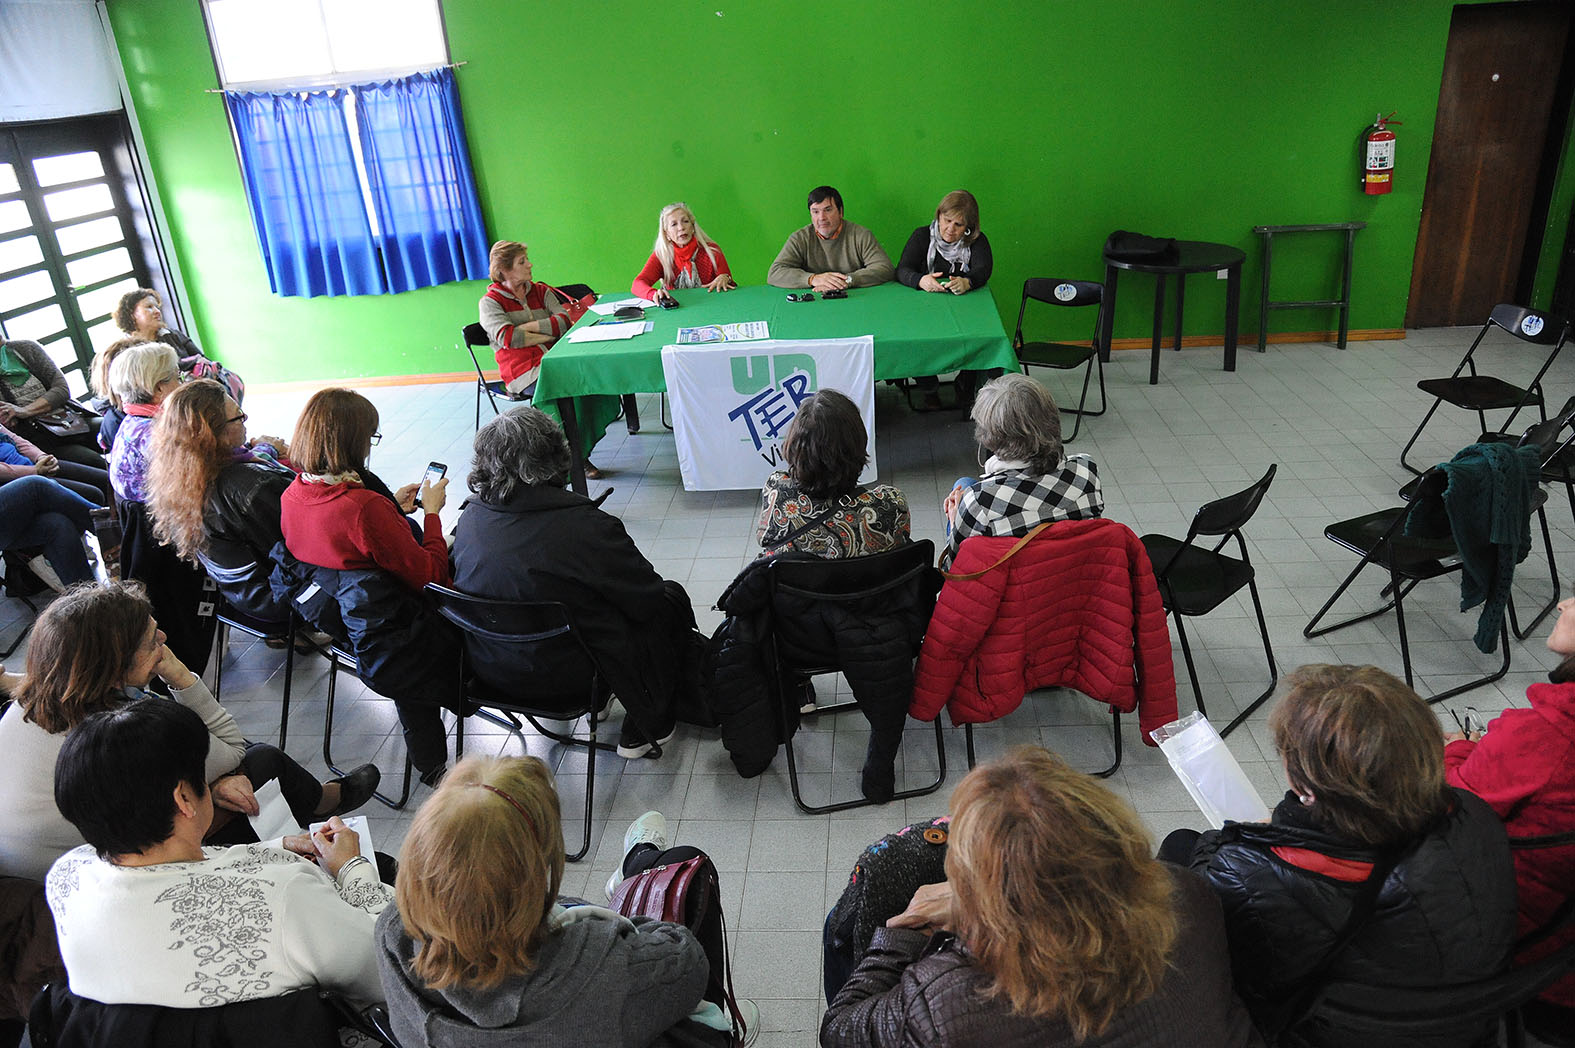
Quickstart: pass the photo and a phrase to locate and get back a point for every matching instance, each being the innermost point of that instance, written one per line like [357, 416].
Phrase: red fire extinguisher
[1378, 155]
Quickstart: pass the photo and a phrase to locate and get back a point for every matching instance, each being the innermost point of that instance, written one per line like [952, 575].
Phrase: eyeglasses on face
[242, 417]
[377, 438]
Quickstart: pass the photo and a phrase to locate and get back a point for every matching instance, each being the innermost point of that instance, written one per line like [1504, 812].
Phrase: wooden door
[1501, 72]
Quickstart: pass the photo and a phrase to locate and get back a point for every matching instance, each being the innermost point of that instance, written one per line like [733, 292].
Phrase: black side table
[1196, 256]
[1343, 303]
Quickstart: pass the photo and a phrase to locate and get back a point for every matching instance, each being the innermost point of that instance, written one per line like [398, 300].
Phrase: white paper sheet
[606, 307]
[363, 831]
[609, 332]
[273, 819]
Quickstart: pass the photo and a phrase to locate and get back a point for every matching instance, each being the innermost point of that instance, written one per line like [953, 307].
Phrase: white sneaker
[650, 828]
[750, 1011]
[46, 574]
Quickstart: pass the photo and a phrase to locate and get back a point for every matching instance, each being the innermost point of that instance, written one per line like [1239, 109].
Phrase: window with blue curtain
[311, 216]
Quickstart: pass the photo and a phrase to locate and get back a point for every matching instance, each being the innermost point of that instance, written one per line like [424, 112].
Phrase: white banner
[732, 402]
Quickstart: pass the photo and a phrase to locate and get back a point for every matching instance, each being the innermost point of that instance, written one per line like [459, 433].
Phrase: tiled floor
[1334, 421]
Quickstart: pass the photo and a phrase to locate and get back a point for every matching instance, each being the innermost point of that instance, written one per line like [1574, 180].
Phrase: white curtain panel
[56, 61]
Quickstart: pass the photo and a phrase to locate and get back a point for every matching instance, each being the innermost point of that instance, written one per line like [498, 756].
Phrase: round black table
[1195, 256]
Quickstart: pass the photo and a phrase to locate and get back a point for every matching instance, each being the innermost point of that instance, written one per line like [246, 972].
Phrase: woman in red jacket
[337, 514]
[683, 257]
[1523, 766]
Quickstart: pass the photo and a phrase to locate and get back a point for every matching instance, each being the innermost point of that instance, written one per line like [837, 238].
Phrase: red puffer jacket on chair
[1076, 607]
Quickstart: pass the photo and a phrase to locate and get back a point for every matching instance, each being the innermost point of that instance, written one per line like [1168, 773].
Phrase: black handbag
[1138, 247]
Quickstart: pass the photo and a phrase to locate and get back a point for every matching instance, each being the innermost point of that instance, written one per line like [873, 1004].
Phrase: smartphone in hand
[435, 472]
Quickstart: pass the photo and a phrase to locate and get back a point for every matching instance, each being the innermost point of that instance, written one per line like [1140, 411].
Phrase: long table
[916, 333]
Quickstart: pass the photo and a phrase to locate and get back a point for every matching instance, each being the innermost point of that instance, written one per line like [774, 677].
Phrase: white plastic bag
[1209, 771]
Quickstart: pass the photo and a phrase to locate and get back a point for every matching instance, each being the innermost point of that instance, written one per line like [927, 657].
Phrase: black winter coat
[548, 544]
[1445, 913]
[873, 642]
[241, 519]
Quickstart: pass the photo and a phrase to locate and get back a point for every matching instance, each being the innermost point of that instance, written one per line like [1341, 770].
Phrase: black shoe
[633, 744]
[433, 777]
[356, 788]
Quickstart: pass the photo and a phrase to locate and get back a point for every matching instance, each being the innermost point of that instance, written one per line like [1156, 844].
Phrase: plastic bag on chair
[1209, 771]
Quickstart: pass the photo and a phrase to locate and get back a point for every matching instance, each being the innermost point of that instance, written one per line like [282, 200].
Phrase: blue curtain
[413, 142]
[305, 197]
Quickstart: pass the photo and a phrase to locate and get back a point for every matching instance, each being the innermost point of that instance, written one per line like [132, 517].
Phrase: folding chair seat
[894, 586]
[1484, 393]
[554, 662]
[475, 336]
[1379, 539]
[1063, 356]
[1194, 580]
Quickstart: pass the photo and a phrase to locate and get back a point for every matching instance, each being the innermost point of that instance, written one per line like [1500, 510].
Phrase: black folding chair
[1379, 539]
[1484, 393]
[872, 582]
[475, 335]
[230, 619]
[26, 600]
[1063, 356]
[553, 657]
[1195, 581]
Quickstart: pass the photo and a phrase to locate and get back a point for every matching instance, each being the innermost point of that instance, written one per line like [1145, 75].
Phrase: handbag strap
[1008, 555]
[1363, 905]
[810, 525]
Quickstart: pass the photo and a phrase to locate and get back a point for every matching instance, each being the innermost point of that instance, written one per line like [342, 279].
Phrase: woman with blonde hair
[1055, 926]
[684, 256]
[1370, 872]
[214, 494]
[513, 959]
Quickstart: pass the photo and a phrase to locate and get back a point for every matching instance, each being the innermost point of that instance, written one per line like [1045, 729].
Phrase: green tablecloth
[915, 334]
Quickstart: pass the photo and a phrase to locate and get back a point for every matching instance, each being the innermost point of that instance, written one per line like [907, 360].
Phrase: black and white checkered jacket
[1010, 499]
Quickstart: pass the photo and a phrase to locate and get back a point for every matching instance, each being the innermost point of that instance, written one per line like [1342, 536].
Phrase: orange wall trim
[1250, 338]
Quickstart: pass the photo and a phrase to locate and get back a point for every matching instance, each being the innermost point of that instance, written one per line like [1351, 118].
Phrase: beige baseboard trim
[1249, 340]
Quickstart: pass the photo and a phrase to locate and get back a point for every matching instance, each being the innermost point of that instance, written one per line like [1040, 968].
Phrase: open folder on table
[601, 331]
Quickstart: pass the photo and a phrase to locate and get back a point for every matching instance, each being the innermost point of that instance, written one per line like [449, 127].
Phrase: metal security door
[72, 237]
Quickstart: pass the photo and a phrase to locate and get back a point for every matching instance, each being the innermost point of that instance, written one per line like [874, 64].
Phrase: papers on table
[744, 332]
[606, 307]
[601, 331]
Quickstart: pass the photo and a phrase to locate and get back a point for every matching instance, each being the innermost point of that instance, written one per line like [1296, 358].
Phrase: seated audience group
[1037, 913]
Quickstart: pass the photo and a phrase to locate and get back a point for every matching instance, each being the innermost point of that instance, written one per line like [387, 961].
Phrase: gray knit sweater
[855, 251]
[600, 982]
[46, 380]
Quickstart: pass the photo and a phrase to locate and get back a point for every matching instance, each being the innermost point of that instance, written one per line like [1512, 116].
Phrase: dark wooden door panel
[1501, 69]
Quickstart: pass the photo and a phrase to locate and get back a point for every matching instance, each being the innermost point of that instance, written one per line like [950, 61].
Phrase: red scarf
[683, 258]
[142, 410]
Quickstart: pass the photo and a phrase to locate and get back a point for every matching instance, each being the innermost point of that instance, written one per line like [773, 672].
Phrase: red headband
[516, 805]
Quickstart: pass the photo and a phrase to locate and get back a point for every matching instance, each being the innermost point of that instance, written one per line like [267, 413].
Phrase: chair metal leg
[968, 739]
[289, 679]
[1553, 572]
[25, 630]
[1192, 671]
[1503, 668]
[222, 643]
[1274, 670]
[1309, 630]
[1115, 738]
[328, 735]
[1425, 419]
[662, 411]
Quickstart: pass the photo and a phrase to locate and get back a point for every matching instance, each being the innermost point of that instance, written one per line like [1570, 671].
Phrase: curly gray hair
[1016, 418]
[522, 447]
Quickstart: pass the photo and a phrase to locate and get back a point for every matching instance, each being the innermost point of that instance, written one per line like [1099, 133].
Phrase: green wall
[1068, 120]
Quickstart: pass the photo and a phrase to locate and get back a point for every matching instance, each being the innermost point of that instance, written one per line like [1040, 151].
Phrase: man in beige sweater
[830, 254]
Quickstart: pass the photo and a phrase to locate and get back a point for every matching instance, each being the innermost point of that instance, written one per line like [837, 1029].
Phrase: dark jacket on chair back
[241, 519]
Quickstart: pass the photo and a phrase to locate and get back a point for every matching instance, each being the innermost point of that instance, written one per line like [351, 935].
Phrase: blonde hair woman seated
[684, 256]
[1057, 927]
[481, 947]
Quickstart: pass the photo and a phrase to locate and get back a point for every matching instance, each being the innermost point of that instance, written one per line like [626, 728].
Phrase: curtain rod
[322, 87]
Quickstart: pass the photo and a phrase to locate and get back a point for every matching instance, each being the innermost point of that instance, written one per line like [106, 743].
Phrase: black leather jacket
[242, 524]
[1445, 913]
